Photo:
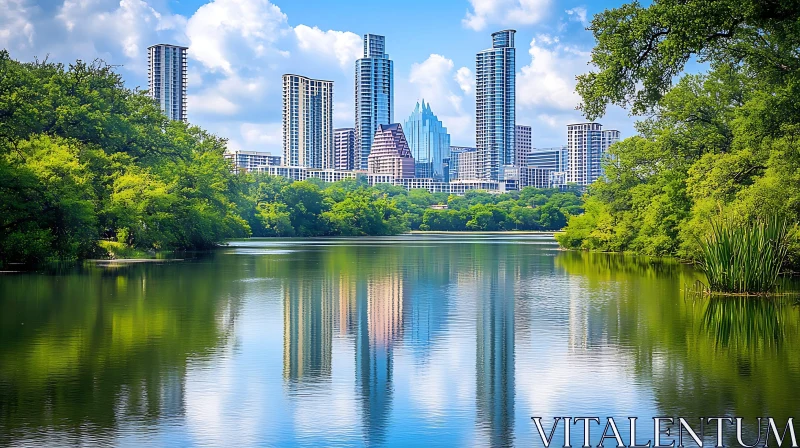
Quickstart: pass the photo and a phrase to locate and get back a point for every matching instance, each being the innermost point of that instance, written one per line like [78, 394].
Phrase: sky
[238, 50]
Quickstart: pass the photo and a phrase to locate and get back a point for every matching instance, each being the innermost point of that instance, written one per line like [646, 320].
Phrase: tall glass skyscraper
[374, 94]
[428, 140]
[495, 106]
[166, 76]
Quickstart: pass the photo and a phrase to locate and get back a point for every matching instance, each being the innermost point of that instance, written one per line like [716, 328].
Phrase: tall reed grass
[744, 257]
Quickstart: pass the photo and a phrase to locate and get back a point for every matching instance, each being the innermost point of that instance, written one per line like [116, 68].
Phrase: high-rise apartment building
[522, 144]
[166, 78]
[522, 147]
[587, 144]
[307, 122]
[344, 143]
[429, 142]
[374, 90]
[495, 106]
[390, 153]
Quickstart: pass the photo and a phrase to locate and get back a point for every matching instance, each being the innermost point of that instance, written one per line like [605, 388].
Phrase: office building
[307, 122]
[495, 106]
[344, 143]
[166, 78]
[463, 163]
[374, 90]
[429, 142]
[587, 144]
[251, 160]
[390, 153]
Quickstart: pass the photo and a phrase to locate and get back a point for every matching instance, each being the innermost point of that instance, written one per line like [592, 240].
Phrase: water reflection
[454, 339]
[494, 366]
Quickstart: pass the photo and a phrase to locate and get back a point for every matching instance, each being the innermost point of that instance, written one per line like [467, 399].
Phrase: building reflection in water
[380, 320]
[307, 332]
[494, 366]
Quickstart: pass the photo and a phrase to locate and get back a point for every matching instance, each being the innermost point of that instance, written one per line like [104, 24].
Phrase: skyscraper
[345, 145]
[390, 153]
[495, 106]
[522, 147]
[307, 122]
[587, 143]
[166, 78]
[374, 90]
[428, 140]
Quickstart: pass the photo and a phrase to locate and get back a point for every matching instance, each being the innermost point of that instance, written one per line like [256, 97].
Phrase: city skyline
[234, 70]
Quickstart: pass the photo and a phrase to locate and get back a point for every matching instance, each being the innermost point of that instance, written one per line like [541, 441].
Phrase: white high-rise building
[308, 122]
[345, 143]
[522, 147]
[166, 79]
[587, 144]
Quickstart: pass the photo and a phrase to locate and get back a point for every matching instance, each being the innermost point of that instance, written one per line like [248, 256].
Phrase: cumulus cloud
[465, 79]
[549, 80]
[344, 46]
[504, 13]
[210, 102]
[262, 136]
[578, 13]
[223, 33]
[129, 26]
[15, 25]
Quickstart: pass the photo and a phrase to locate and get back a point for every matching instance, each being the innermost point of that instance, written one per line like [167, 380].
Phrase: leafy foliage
[83, 158]
[713, 145]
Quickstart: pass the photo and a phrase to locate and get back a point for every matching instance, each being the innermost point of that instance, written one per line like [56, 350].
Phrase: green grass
[741, 257]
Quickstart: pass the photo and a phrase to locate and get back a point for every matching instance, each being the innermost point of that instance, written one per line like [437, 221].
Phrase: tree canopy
[723, 142]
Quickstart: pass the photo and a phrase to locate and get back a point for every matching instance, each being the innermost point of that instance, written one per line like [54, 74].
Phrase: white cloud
[15, 25]
[130, 25]
[549, 80]
[212, 103]
[224, 33]
[262, 134]
[465, 79]
[505, 13]
[344, 46]
[578, 13]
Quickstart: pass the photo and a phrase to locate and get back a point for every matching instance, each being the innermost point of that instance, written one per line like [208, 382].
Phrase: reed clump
[744, 257]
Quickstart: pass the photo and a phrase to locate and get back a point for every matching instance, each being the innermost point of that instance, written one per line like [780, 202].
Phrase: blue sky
[239, 49]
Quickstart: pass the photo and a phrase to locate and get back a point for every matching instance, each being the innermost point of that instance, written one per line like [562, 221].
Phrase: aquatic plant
[744, 257]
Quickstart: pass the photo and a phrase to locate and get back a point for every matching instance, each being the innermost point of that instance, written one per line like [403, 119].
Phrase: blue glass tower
[374, 94]
[495, 106]
[428, 140]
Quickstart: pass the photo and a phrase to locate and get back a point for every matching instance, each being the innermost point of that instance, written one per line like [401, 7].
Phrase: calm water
[455, 339]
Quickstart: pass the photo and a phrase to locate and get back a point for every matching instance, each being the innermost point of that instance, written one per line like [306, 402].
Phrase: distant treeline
[312, 208]
[89, 167]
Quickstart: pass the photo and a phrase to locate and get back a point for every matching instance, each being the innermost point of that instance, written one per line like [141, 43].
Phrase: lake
[455, 339]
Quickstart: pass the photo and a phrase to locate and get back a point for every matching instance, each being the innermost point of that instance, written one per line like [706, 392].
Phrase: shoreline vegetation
[94, 170]
[721, 145]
